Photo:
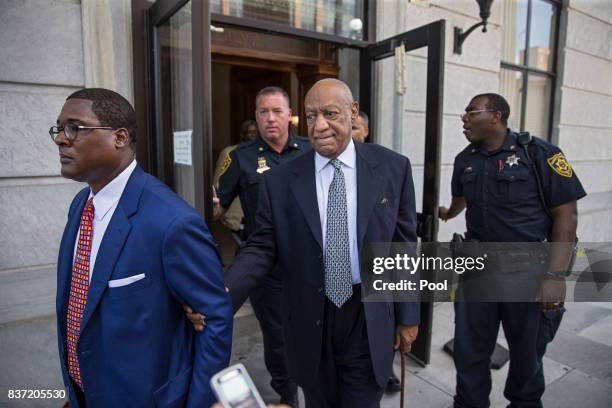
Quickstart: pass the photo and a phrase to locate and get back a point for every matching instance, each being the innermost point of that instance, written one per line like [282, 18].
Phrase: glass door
[179, 60]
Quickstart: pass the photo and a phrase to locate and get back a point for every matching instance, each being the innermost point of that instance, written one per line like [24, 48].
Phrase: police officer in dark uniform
[493, 177]
[241, 174]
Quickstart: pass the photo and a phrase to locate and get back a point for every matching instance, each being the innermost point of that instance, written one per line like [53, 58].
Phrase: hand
[553, 294]
[443, 213]
[196, 319]
[404, 337]
[217, 209]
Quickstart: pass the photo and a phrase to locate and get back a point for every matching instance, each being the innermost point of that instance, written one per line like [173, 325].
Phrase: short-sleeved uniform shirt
[501, 194]
[243, 169]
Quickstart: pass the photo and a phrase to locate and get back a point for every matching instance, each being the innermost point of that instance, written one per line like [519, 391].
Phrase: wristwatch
[556, 275]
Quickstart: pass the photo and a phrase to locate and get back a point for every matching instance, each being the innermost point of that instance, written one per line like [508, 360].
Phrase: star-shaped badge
[512, 160]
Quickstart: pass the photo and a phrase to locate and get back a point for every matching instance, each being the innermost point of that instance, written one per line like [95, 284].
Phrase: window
[527, 75]
[342, 18]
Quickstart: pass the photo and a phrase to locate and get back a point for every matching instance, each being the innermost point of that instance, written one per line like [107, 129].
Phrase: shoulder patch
[226, 163]
[560, 165]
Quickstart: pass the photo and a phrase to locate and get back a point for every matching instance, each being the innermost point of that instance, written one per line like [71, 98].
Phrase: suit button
[320, 255]
[318, 322]
[320, 290]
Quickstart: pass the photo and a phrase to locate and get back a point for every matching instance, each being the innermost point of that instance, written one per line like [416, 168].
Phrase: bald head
[340, 88]
[330, 110]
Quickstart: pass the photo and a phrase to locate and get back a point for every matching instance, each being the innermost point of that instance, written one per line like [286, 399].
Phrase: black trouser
[266, 302]
[527, 330]
[346, 376]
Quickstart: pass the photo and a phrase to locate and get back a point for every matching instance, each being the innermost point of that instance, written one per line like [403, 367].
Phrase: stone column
[107, 45]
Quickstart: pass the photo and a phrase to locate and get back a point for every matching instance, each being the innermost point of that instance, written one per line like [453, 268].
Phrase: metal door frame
[156, 15]
[432, 37]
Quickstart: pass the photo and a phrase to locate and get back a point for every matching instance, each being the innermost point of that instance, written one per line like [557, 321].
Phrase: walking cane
[402, 376]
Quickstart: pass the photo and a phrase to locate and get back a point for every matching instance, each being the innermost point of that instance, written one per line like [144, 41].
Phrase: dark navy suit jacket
[289, 230]
[136, 348]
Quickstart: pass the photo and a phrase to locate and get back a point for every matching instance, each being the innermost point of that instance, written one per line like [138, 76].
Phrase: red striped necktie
[79, 286]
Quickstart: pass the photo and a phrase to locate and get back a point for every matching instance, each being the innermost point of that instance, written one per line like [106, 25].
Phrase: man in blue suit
[315, 214]
[132, 252]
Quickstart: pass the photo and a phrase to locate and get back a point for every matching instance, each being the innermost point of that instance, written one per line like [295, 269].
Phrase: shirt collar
[292, 143]
[106, 198]
[261, 144]
[347, 157]
[510, 143]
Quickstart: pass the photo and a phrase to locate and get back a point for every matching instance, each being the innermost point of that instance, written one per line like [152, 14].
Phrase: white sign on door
[182, 147]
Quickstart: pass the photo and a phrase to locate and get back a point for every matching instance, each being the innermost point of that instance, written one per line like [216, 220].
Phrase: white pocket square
[125, 281]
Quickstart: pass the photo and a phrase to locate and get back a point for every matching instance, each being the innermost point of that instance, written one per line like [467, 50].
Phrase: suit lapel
[369, 188]
[113, 242]
[304, 189]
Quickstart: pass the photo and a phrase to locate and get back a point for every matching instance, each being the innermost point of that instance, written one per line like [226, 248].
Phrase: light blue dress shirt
[324, 174]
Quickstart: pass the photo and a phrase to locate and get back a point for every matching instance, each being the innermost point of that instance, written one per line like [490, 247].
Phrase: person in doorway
[232, 218]
[360, 127]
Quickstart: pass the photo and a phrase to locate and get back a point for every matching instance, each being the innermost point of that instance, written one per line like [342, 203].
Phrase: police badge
[262, 166]
[512, 160]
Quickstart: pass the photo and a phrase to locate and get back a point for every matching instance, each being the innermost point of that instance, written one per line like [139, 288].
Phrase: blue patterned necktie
[337, 260]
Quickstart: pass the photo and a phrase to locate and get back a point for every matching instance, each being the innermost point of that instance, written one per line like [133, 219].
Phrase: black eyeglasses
[71, 130]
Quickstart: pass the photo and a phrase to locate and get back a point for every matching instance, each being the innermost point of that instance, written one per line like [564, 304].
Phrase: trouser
[266, 302]
[528, 331]
[346, 376]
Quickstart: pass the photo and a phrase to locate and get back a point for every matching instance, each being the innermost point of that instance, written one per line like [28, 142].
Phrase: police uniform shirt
[243, 169]
[501, 193]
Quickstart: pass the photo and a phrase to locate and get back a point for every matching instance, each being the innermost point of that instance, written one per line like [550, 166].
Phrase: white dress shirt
[105, 202]
[324, 174]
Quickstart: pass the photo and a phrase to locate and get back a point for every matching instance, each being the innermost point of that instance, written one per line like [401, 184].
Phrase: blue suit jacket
[136, 348]
[289, 231]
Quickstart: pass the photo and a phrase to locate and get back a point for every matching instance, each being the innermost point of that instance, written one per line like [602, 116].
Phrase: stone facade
[41, 62]
[46, 53]
[584, 127]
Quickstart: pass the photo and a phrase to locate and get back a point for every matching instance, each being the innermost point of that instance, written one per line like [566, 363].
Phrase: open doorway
[233, 98]
[235, 81]
[234, 88]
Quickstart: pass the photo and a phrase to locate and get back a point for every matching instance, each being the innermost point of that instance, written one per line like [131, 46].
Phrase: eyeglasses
[71, 130]
[472, 112]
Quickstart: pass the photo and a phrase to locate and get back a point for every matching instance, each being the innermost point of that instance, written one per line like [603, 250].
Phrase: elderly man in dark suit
[314, 216]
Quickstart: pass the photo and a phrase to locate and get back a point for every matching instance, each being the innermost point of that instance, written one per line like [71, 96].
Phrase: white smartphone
[235, 389]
